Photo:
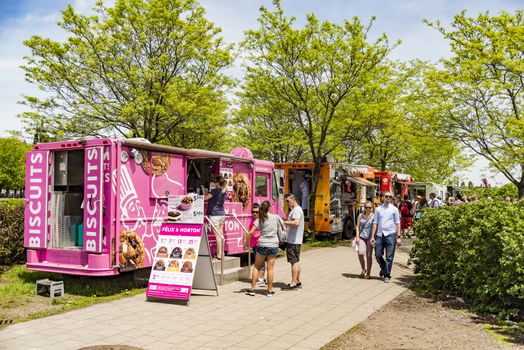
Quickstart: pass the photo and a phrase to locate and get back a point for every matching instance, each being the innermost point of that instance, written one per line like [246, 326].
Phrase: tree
[481, 89]
[143, 68]
[12, 163]
[305, 74]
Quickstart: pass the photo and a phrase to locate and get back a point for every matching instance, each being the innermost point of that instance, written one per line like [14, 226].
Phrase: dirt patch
[413, 322]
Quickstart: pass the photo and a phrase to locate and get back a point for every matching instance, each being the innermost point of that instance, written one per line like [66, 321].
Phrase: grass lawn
[19, 303]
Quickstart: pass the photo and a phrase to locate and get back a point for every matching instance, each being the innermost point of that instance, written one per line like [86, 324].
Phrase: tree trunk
[313, 197]
[520, 187]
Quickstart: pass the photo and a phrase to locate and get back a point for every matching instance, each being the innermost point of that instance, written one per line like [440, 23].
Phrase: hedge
[11, 234]
[474, 251]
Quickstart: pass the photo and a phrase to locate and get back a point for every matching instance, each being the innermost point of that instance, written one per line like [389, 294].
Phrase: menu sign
[187, 209]
[177, 248]
[175, 261]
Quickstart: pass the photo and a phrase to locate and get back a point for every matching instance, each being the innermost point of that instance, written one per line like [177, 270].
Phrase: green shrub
[11, 234]
[475, 251]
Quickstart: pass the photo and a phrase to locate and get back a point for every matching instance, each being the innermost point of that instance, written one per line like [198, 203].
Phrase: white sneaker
[262, 283]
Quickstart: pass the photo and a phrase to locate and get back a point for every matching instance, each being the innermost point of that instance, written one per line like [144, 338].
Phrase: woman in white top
[363, 239]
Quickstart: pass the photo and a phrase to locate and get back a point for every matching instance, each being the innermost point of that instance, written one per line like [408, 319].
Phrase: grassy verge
[19, 303]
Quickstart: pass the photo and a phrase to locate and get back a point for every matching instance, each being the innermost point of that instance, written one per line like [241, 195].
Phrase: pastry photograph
[187, 267]
[190, 254]
[160, 265]
[162, 252]
[173, 266]
[176, 253]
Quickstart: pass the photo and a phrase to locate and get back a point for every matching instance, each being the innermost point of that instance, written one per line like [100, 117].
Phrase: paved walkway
[332, 301]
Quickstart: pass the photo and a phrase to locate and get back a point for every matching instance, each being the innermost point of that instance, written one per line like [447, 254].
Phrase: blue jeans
[388, 243]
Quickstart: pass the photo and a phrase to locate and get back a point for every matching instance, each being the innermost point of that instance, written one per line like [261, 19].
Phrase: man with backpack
[406, 217]
[434, 201]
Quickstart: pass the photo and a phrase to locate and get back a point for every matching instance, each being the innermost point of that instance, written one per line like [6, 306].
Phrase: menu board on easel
[177, 249]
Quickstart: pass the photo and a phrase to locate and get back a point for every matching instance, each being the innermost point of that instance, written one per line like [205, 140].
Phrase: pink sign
[36, 200]
[175, 261]
[93, 199]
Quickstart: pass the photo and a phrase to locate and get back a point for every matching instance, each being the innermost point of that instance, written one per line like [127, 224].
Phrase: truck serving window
[261, 181]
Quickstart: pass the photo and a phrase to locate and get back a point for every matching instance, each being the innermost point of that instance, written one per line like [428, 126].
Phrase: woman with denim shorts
[267, 249]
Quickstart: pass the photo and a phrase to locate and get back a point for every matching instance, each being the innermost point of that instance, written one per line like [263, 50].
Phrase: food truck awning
[361, 181]
[191, 153]
[358, 169]
[403, 177]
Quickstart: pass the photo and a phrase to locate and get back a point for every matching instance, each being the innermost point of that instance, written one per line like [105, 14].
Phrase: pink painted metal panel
[93, 199]
[36, 195]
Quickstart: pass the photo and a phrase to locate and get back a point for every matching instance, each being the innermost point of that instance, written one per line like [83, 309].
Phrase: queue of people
[264, 238]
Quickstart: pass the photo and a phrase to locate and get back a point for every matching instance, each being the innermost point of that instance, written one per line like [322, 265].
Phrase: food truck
[341, 190]
[396, 183]
[95, 207]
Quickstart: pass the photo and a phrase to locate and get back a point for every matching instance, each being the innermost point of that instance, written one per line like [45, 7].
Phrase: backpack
[404, 209]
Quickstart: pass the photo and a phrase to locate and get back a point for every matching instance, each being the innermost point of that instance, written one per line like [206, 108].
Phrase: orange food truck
[341, 190]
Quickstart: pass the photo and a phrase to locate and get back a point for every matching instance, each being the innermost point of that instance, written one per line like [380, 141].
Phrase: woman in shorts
[267, 248]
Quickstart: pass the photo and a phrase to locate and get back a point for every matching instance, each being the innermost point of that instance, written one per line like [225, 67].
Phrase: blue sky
[399, 19]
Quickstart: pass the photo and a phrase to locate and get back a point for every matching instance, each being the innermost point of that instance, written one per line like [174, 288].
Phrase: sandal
[367, 277]
[362, 274]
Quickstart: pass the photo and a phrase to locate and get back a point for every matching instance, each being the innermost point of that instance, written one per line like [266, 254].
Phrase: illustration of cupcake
[176, 253]
[173, 266]
[187, 267]
[190, 254]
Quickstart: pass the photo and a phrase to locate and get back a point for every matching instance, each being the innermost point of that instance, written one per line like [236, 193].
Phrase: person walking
[406, 217]
[267, 248]
[295, 235]
[363, 240]
[216, 214]
[385, 234]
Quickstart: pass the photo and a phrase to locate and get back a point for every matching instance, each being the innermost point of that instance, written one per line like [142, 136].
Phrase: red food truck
[95, 207]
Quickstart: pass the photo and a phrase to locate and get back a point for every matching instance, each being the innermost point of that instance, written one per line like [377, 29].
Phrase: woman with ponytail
[215, 212]
[267, 249]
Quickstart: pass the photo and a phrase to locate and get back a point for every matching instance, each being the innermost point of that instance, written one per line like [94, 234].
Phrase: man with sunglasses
[385, 234]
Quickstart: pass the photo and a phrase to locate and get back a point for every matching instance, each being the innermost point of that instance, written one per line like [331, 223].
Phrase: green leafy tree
[305, 74]
[12, 163]
[143, 68]
[481, 89]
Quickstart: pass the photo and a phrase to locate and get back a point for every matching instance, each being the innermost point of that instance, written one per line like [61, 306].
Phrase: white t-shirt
[295, 234]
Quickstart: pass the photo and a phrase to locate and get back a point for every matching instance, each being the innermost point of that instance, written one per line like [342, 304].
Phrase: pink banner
[36, 200]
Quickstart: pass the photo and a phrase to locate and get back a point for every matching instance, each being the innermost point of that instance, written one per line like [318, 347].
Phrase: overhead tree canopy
[480, 91]
[143, 68]
[305, 74]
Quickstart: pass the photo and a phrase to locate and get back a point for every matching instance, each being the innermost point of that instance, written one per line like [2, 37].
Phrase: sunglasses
[367, 207]
[388, 196]
[254, 212]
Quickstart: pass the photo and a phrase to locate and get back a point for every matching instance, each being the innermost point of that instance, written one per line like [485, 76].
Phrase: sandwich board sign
[182, 243]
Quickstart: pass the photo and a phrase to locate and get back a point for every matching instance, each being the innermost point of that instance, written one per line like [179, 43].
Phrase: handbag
[281, 231]
[365, 224]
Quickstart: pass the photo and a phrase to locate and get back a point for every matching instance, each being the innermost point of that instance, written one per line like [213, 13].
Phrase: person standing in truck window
[216, 214]
[304, 193]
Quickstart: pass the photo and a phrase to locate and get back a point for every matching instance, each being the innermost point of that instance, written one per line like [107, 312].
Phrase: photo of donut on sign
[185, 209]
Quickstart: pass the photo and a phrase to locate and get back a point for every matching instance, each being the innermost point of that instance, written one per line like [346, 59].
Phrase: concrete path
[332, 301]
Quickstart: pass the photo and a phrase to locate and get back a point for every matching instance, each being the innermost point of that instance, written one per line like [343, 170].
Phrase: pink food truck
[95, 207]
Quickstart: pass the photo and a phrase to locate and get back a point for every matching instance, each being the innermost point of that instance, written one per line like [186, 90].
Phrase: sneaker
[387, 279]
[250, 292]
[299, 285]
[270, 293]
[291, 287]
[262, 283]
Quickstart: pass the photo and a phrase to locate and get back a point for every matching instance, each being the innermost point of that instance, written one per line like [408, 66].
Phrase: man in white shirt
[385, 234]
[295, 236]
[434, 201]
